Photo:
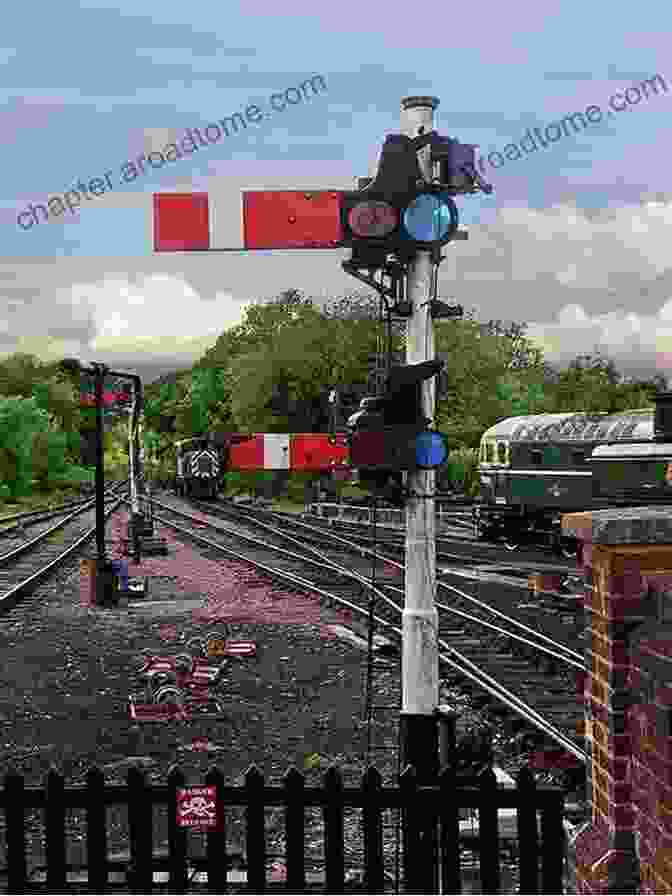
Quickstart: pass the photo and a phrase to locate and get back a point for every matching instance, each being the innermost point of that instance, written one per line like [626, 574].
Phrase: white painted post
[419, 660]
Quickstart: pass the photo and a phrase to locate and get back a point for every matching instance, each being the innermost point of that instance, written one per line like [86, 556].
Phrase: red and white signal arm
[268, 219]
[307, 452]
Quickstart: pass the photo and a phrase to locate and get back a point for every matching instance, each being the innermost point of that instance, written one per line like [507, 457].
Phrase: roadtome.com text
[193, 139]
[578, 121]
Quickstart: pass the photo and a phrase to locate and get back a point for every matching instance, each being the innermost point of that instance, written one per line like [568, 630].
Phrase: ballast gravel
[68, 668]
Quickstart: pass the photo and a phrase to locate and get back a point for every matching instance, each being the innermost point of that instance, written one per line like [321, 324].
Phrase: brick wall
[627, 562]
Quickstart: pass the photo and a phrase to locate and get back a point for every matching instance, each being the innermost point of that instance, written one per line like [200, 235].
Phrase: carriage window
[501, 452]
[603, 429]
[578, 457]
[489, 452]
[535, 456]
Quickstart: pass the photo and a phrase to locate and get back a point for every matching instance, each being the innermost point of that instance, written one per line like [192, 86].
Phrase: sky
[574, 240]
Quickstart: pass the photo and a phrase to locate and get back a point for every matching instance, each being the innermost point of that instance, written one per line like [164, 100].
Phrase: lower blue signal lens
[430, 449]
[428, 218]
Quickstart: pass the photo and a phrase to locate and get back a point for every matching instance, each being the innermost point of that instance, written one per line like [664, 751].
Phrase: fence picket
[425, 809]
[451, 877]
[528, 831]
[488, 832]
[295, 821]
[140, 825]
[255, 834]
[96, 829]
[17, 870]
[177, 836]
[216, 849]
[411, 830]
[55, 830]
[552, 841]
[374, 870]
[333, 831]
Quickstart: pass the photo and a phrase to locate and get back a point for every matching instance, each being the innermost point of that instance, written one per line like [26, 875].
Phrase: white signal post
[419, 658]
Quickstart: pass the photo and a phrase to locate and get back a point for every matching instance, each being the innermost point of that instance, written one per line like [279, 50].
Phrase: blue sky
[574, 241]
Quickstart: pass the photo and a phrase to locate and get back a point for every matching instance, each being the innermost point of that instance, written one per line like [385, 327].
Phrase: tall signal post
[395, 223]
[419, 658]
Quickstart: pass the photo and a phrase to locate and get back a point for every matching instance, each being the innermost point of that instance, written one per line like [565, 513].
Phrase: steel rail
[42, 536]
[451, 656]
[11, 597]
[323, 559]
[47, 511]
[440, 583]
[396, 538]
[565, 656]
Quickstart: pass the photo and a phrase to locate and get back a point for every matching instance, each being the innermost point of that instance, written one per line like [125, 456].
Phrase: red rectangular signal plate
[292, 219]
[314, 451]
[248, 455]
[181, 222]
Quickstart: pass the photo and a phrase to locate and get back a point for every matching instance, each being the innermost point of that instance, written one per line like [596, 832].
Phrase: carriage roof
[575, 427]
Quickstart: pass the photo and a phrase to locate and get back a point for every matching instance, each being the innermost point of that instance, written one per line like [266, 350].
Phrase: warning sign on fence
[197, 808]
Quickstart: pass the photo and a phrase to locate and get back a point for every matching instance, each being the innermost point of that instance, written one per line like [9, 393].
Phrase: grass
[286, 504]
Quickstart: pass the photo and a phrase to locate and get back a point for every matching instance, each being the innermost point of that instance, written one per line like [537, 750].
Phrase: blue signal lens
[429, 218]
[430, 449]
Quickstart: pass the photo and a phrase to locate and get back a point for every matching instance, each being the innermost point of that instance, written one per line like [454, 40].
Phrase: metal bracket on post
[394, 271]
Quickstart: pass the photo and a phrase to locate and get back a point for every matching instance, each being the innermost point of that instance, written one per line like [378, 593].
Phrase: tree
[589, 383]
[20, 420]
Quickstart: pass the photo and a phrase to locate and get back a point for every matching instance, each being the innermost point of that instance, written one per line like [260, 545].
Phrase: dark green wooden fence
[424, 809]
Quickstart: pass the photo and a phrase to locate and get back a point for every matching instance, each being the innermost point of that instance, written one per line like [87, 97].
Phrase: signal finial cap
[413, 102]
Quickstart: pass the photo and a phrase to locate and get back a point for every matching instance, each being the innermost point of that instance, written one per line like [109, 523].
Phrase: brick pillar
[618, 547]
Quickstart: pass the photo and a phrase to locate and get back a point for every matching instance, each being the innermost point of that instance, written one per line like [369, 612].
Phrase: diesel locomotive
[198, 468]
[535, 468]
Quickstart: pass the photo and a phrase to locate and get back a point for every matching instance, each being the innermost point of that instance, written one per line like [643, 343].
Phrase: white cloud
[158, 313]
[581, 279]
[636, 342]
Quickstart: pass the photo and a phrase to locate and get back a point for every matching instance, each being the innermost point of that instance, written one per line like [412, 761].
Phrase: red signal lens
[372, 218]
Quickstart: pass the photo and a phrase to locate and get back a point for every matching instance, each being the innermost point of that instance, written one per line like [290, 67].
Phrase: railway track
[559, 614]
[456, 524]
[48, 539]
[551, 650]
[471, 550]
[483, 645]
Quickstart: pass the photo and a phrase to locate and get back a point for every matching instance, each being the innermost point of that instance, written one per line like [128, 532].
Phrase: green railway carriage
[535, 468]
[640, 473]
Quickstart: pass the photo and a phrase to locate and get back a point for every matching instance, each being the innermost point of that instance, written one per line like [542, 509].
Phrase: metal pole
[136, 471]
[419, 659]
[101, 562]
[131, 455]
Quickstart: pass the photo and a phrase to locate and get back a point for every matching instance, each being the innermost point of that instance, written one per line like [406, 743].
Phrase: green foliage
[477, 361]
[292, 347]
[20, 420]
[592, 383]
[461, 468]
[518, 397]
